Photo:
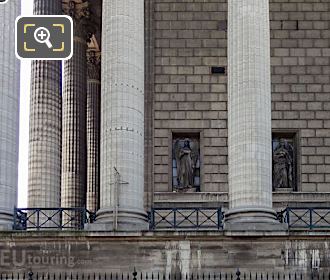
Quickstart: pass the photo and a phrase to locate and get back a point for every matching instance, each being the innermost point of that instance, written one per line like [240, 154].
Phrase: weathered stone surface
[185, 34]
[249, 113]
[74, 153]
[9, 112]
[93, 122]
[122, 114]
[161, 252]
[45, 141]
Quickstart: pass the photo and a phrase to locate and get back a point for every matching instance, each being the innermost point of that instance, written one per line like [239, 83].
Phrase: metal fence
[234, 275]
[51, 218]
[316, 218]
[297, 218]
[186, 218]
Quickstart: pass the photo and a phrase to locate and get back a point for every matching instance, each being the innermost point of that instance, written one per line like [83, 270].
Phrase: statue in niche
[186, 154]
[283, 165]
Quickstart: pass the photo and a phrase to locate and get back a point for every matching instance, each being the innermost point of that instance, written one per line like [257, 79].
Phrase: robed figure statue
[283, 165]
[186, 157]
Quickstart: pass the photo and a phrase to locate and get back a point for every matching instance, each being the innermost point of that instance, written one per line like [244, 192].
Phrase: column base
[128, 220]
[6, 221]
[253, 221]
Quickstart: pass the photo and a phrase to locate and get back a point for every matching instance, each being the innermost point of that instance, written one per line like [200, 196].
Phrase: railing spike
[238, 274]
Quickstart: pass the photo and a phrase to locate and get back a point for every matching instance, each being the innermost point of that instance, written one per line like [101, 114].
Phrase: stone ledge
[162, 235]
[280, 199]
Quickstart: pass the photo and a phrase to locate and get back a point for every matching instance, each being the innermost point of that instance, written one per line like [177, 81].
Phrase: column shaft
[9, 113]
[93, 132]
[249, 112]
[45, 139]
[74, 127]
[122, 114]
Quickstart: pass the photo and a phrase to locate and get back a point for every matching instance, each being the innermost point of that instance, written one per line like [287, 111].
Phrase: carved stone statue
[186, 156]
[283, 165]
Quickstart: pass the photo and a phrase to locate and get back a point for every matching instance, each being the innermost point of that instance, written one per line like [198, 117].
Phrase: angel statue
[186, 157]
[283, 165]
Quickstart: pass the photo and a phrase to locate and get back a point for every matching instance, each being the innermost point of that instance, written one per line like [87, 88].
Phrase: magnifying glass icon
[42, 35]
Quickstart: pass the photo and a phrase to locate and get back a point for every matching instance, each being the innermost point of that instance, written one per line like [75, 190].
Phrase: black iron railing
[312, 218]
[51, 218]
[297, 218]
[219, 275]
[186, 218]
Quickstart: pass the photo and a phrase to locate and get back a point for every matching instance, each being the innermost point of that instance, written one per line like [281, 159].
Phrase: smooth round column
[122, 116]
[9, 113]
[249, 113]
[93, 130]
[45, 141]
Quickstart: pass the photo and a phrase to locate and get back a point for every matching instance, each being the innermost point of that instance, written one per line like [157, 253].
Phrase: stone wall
[188, 41]
[160, 252]
[190, 38]
[300, 41]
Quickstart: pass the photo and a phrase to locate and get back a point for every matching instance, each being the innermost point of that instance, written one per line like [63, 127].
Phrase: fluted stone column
[74, 159]
[9, 113]
[93, 130]
[45, 141]
[249, 115]
[122, 116]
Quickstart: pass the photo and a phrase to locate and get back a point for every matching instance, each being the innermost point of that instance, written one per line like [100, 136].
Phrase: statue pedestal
[285, 190]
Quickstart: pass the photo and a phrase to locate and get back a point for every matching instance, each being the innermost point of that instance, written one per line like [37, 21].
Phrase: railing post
[134, 274]
[288, 216]
[238, 274]
[61, 218]
[38, 219]
[174, 216]
[197, 217]
[152, 218]
[220, 218]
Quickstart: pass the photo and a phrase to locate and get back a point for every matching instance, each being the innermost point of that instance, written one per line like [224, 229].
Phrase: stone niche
[186, 162]
[285, 148]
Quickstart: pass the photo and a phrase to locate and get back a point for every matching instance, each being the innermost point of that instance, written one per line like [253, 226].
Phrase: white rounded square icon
[44, 37]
